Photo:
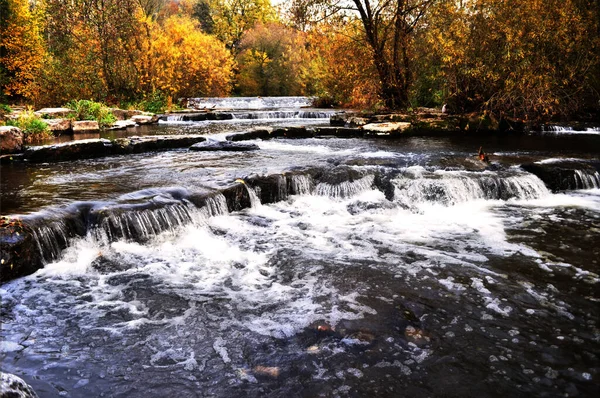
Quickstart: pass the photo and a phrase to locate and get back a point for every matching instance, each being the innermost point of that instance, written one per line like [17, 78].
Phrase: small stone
[271, 371]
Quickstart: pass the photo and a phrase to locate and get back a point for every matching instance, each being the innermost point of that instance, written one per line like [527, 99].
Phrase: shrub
[4, 110]
[157, 102]
[91, 110]
[34, 128]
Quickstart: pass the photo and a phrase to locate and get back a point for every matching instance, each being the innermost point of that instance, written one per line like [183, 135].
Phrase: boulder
[11, 139]
[154, 143]
[145, 119]
[339, 119]
[58, 125]
[567, 174]
[392, 117]
[223, 146]
[18, 251]
[339, 132]
[85, 126]
[81, 149]
[53, 113]
[123, 124]
[124, 114]
[379, 129]
[355, 121]
[259, 133]
[293, 132]
[14, 386]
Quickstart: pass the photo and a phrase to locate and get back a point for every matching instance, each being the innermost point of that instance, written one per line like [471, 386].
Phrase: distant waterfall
[250, 102]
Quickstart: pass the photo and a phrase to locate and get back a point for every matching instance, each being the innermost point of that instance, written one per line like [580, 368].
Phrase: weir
[250, 102]
[140, 222]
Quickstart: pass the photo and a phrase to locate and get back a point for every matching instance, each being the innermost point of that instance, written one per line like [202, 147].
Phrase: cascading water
[369, 269]
[587, 180]
[345, 189]
[416, 186]
[250, 102]
[268, 115]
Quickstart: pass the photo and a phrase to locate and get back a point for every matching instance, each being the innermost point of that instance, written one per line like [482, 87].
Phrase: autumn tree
[342, 66]
[534, 59]
[99, 41]
[234, 17]
[21, 47]
[264, 61]
[182, 61]
[201, 12]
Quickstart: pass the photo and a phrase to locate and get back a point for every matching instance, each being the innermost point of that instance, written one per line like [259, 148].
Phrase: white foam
[219, 346]
[559, 160]
[281, 146]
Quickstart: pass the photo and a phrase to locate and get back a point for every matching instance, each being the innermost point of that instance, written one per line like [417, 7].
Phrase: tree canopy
[537, 59]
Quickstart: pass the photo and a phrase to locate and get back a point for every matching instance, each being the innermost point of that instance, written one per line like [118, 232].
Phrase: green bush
[91, 110]
[34, 128]
[157, 102]
[4, 109]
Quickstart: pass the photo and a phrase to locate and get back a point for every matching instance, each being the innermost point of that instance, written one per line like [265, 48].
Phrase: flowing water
[391, 268]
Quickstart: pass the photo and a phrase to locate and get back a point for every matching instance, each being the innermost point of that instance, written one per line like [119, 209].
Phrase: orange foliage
[184, 62]
[346, 74]
[24, 48]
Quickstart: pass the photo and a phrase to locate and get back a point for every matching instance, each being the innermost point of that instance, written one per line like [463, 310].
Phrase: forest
[535, 59]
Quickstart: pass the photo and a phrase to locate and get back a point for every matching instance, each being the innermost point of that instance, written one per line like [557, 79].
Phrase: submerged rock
[223, 146]
[293, 132]
[12, 386]
[83, 149]
[338, 132]
[259, 133]
[567, 174]
[11, 139]
[154, 143]
[18, 252]
[94, 148]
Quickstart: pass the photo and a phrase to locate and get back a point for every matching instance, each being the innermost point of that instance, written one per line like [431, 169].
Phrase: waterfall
[300, 184]
[175, 118]
[451, 188]
[587, 180]
[216, 205]
[51, 239]
[143, 224]
[250, 102]
[345, 189]
[270, 115]
[254, 199]
[570, 130]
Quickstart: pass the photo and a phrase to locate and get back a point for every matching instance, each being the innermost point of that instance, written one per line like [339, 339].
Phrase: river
[392, 268]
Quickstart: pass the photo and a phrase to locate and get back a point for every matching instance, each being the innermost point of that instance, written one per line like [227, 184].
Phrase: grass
[91, 110]
[33, 128]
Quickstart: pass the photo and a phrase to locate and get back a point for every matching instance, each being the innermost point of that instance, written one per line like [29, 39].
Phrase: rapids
[376, 268]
